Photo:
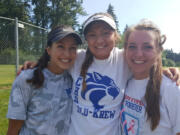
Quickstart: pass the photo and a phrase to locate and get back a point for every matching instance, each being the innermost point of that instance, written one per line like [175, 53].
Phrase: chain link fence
[20, 41]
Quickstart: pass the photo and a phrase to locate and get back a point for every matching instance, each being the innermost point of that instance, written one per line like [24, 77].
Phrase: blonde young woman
[151, 104]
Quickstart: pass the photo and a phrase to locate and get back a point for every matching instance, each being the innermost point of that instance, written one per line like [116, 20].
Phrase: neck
[54, 69]
[140, 76]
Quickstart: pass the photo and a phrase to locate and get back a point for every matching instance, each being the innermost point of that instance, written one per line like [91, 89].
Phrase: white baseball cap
[100, 17]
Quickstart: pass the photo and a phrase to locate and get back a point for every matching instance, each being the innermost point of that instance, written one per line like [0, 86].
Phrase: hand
[173, 74]
[26, 65]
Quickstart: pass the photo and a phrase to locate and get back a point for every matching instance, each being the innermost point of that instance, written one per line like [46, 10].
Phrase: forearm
[14, 127]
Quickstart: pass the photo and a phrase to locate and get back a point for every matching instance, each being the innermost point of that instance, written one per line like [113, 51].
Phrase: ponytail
[38, 77]
[86, 64]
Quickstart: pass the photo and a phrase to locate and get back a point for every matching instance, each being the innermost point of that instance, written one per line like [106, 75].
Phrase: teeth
[138, 62]
[100, 47]
[64, 60]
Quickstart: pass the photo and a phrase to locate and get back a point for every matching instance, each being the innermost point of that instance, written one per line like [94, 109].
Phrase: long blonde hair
[152, 95]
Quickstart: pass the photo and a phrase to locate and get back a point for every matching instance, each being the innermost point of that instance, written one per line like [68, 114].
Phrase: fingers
[19, 70]
[26, 65]
[168, 73]
[176, 75]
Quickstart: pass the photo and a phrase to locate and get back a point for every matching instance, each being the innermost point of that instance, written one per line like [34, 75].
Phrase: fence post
[17, 44]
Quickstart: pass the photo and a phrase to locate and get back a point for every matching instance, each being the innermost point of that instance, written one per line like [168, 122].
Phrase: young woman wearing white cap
[39, 101]
[99, 78]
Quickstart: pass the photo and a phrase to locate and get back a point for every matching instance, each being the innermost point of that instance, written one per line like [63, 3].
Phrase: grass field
[7, 75]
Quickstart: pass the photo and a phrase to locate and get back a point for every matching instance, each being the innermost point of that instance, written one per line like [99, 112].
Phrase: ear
[48, 49]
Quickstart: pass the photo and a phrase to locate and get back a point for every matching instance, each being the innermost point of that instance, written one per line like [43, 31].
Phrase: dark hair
[152, 95]
[38, 77]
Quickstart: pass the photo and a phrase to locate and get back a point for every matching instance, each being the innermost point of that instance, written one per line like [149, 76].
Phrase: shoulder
[23, 76]
[26, 74]
[168, 87]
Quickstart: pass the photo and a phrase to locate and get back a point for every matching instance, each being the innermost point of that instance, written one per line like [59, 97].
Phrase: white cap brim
[104, 18]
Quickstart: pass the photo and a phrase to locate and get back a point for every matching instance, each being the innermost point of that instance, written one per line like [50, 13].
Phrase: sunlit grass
[7, 75]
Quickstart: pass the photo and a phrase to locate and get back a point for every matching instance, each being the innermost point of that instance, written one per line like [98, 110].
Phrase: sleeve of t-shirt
[78, 62]
[19, 98]
[123, 66]
[172, 101]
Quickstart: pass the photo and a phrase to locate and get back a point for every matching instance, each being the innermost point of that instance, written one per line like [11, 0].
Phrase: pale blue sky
[165, 13]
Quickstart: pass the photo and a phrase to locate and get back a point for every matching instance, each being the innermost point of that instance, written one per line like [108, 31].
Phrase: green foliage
[110, 10]
[52, 13]
[66, 12]
[8, 56]
[168, 63]
[15, 8]
[178, 64]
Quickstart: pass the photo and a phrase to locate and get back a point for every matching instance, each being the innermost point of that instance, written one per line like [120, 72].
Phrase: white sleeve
[172, 101]
[78, 62]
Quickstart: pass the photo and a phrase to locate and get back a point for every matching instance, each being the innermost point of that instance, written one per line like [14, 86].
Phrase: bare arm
[178, 134]
[14, 127]
[173, 74]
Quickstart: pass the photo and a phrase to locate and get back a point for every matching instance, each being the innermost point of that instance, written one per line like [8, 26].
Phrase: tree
[110, 10]
[66, 12]
[41, 13]
[11, 9]
[15, 8]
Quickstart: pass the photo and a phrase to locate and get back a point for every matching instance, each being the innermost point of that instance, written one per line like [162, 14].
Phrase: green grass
[4, 99]
[7, 75]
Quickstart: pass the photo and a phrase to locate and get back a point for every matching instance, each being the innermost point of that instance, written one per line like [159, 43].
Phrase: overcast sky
[165, 13]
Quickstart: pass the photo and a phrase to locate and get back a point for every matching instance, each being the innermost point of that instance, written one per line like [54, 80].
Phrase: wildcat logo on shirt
[99, 88]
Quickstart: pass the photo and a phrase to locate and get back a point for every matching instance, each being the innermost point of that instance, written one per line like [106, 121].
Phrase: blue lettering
[78, 83]
[83, 111]
[104, 114]
[95, 115]
[133, 106]
[112, 113]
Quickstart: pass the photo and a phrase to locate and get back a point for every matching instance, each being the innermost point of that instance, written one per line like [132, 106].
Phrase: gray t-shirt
[46, 110]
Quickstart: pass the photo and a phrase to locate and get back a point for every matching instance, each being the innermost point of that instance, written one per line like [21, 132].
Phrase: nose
[99, 39]
[66, 52]
[139, 52]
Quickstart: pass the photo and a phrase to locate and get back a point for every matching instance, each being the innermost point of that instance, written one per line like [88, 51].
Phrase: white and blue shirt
[133, 117]
[96, 109]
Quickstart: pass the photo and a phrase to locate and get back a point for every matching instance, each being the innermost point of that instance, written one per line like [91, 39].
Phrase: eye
[131, 47]
[91, 35]
[148, 47]
[60, 46]
[73, 48]
[106, 33]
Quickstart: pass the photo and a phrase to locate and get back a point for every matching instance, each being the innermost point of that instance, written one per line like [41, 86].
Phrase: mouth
[65, 60]
[100, 47]
[138, 61]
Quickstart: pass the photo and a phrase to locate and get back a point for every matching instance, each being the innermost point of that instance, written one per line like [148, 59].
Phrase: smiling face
[141, 52]
[101, 39]
[62, 54]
